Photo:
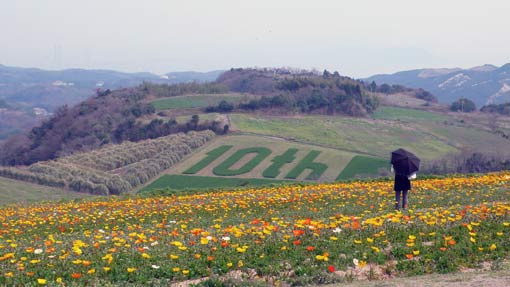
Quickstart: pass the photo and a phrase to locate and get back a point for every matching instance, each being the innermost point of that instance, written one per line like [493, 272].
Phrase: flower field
[295, 234]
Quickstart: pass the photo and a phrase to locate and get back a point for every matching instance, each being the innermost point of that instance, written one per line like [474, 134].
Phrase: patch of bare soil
[465, 278]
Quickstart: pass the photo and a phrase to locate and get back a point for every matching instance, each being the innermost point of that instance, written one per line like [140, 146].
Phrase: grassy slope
[195, 101]
[428, 134]
[335, 159]
[12, 191]
[183, 182]
[363, 165]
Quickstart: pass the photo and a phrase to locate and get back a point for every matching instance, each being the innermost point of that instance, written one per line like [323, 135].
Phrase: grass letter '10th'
[224, 168]
[307, 163]
[279, 161]
[211, 156]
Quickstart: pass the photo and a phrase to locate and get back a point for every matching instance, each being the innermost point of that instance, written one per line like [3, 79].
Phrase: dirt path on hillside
[463, 279]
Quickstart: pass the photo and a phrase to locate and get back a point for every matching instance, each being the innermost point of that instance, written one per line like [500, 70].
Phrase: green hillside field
[429, 135]
[206, 166]
[14, 191]
[197, 101]
[185, 182]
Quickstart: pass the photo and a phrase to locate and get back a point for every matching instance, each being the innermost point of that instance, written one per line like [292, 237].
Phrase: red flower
[310, 248]
[331, 268]
[297, 242]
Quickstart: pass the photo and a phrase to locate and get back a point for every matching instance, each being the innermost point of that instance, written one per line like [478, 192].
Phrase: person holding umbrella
[405, 165]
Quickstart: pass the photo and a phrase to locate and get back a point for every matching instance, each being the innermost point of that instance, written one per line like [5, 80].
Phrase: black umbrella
[404, 162]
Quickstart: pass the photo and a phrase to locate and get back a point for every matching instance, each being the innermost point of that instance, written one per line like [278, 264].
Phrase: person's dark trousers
[404, 199]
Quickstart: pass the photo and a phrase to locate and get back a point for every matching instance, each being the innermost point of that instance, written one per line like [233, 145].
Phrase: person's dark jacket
[401, 183]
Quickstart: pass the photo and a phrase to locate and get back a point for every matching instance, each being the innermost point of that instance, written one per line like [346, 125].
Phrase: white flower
[225, 238]
[51, 256]
[337, 230]
[101, 231]
[38, 251]
[355, 261]
[209, 237]
[172, 221]
[146, 248]
[155, 266]
[154, 243]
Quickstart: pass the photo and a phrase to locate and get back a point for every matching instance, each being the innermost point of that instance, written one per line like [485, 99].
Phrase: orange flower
[409, 256]
[76, 275]
[310, 248]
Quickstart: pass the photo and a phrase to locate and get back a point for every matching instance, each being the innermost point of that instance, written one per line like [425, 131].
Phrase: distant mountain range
[31, 87]
[483, 85]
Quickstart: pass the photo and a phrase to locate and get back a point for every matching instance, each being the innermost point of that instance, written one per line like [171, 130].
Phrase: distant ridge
[486, 84]
[33, 87]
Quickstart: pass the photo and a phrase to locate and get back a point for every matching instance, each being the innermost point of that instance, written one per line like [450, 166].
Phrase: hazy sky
[356, 37]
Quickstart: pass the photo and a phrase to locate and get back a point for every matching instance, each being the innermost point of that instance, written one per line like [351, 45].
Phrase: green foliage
[363, 166]
[274, 169]
[224, 169]
[307, 163]
[183, 182]
[302, 91]
[502, 109]
[463, 105]
[211, 156]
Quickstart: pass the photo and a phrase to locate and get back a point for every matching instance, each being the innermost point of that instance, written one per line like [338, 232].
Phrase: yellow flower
[499, 233]
[185, 272]
[416, 252]
[176, 269]
[91, 271]
[131, 269]
[357, 241]
[41, 281]
[106, 269]
[362, 263]
[229, 264]
[146, 256]
[174, 256]
[59, 280]
[369, 240]
[492, 247]
[472, 239]
[333, 238]
[240, 263]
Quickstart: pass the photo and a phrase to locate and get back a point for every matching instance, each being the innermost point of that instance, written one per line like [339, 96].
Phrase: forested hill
[301, 91]
[108, 117]
[126, 114]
